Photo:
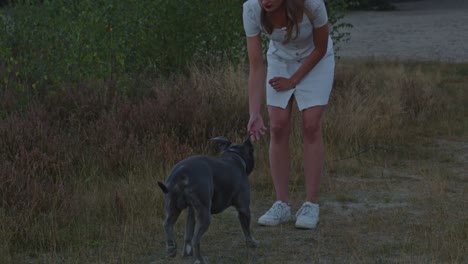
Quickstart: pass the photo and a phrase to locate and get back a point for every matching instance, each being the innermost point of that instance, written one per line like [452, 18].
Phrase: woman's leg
[280, 154]
[313, 150]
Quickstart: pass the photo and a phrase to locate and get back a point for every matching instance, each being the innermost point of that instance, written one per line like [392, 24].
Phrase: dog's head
[245, 151]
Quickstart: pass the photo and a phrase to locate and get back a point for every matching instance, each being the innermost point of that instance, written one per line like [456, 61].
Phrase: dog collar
[244, 164]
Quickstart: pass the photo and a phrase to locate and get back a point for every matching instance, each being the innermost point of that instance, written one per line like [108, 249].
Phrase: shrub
[44, 45]
[61, 41]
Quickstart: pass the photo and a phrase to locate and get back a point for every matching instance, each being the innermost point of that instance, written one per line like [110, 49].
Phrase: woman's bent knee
[279, 131]
[311, 133]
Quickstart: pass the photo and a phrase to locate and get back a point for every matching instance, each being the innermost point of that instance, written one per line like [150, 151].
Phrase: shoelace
[275, 210]
[305, 210]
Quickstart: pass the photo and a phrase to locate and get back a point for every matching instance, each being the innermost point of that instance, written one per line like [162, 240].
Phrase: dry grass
[78, 171]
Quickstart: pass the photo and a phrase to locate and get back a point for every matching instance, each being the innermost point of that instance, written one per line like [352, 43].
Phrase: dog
[207, 185]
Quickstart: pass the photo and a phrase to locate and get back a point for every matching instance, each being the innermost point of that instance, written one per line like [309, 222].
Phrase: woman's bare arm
[280, 83]
[321, 43]
[257, 74]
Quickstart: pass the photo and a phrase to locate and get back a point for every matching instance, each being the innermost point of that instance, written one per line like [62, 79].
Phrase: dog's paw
[251, 242]
[171, 251]
[188, 251]
[202, 260]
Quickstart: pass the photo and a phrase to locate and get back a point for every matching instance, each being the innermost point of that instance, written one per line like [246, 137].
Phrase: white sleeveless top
[297, 48]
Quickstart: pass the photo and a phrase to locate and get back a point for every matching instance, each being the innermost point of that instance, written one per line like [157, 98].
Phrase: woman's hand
[256, 127]
[282, 84]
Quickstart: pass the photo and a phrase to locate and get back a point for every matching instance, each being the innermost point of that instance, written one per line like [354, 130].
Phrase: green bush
[60, 41]
[45, 44]
[94, 35]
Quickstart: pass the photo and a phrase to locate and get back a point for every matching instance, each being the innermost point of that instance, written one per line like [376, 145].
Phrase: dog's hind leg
[171, 218]
[189, 229]
[244, 219]
[202, 222]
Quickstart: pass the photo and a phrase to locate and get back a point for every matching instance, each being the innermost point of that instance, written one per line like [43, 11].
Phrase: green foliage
[45, 44]
[336, 11]
[74, 40]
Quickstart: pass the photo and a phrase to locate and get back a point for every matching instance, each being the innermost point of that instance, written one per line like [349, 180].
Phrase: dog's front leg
[244, 219]
[189, 228]
[171, 218]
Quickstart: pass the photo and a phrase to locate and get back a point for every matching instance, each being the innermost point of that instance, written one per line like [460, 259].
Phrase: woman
[301, 67]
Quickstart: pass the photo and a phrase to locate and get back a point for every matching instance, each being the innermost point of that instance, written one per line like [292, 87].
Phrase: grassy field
[78, 170]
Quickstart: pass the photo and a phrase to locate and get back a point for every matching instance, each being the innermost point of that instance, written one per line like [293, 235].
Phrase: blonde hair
[294, 10]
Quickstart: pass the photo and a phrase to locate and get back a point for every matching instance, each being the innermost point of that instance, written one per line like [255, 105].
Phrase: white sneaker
[279, 213]
[308, 216]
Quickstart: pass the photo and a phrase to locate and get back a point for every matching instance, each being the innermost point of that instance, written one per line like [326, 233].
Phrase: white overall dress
[284, 59]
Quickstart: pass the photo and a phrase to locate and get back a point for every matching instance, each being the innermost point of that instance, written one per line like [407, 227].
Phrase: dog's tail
[179, 186]
[163, 187]
[176, 181]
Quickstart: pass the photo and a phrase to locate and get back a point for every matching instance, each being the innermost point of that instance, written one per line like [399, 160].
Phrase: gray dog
[208, 185]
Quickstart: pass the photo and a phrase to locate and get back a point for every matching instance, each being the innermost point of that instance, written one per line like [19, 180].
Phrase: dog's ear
[163, 187]
[224, 142]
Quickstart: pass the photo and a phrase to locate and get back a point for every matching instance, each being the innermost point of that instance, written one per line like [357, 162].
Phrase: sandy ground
[420, 30]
